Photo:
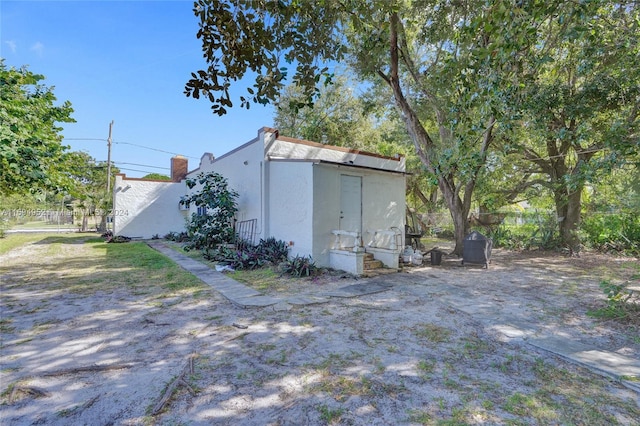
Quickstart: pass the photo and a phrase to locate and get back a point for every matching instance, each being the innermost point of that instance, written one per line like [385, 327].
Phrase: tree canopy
[30, 140]
[85, 181]
[469, 79]
[156, 176]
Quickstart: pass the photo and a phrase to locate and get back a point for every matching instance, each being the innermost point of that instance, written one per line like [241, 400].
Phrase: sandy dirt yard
[116, 353]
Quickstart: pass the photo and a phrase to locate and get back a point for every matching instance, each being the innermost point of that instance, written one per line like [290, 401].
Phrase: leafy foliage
[546, 92]
[339, 117]
[623, 304]
[274, 251]
[213, 224]
[85, 181]
[300, 266]
[156, 176]
[575, 109]
[176, 236]
[30, 140]
[245, 255]
[613, 232]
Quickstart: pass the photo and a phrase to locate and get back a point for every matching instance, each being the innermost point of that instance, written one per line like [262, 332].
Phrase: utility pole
[104, 225]
[109, 158]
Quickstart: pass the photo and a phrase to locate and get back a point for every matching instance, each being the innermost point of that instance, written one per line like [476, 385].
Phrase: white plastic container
[407, 254]
[417, 258]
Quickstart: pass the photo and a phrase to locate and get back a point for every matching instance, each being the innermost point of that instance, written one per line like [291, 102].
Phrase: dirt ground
[402, 356]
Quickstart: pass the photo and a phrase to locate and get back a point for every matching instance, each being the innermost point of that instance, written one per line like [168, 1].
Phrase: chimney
[179, 168]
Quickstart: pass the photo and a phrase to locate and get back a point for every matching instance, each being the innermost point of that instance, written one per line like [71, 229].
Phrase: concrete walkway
[620, 367]
[245, 297]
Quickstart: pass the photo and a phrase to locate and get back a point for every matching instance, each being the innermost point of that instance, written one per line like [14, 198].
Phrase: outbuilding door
[351, 203]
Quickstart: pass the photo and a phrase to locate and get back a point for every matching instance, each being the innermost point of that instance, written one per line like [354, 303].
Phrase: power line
[154, 149]
[132, 144]
[135, 170]
[142, 165]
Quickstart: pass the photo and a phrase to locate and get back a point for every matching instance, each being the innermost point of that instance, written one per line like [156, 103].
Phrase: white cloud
[38, 48]
[12, 45]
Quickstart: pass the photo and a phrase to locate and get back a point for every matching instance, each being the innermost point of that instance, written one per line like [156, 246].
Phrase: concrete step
[372, 264]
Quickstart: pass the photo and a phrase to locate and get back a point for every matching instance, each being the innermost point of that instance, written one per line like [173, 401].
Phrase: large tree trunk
[459, 210]
[425, 146]
[568, 208]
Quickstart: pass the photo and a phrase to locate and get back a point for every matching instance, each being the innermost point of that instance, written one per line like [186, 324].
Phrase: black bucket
[436, 257]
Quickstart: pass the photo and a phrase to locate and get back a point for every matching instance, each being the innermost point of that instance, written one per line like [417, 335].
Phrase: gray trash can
[477, 249]
[436, 256]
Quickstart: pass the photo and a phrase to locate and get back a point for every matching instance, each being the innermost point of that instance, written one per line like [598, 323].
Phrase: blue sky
[125, 61]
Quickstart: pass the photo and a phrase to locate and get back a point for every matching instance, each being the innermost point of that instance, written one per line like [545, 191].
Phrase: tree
[85, 181]
[156, 176]
[337, 117]
[30, 141]
[577, 102]
[432, 57]
[212, 224]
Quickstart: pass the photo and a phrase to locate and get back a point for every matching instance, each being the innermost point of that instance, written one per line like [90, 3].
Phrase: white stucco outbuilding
[331, 203]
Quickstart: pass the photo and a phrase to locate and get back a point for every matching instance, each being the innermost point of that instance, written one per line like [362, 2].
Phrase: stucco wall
[242, 168]
[291, 205]
[326, 194]
[383, 204]
[144, 208]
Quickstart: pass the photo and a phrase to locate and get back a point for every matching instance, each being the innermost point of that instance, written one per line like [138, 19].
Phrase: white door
[351, 203]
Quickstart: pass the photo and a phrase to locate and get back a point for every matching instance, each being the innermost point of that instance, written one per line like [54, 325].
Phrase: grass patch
[433, 333]
[145, 264]
[262, 279]
[342, 387]
[420, 417]
[426, 367]
[330, 415]
[623, 304]
[85, 264]
[567, 397]
[13, 241]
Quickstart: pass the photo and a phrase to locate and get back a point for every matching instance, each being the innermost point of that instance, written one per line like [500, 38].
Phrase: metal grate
[246, 230]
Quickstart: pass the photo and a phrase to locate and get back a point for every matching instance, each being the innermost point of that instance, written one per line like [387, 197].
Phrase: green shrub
[623, 304]
[176, 236]
[274, 251]
[216, 202]
[545, 235]
[247, 259]
[300, 266]
[245, 255]
[612, 232]
[503, 236]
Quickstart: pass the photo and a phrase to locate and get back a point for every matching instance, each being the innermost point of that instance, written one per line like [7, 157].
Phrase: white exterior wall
[383, 205]
[291, 204]
[326, 195]
[286, 185]
[244, 170]
[144, 208]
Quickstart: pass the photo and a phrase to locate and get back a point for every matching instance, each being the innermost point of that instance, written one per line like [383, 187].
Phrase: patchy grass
[565, 397]
[330, 415]
[433, 333]
[95, 265]
[13, 241]
[263, 279]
